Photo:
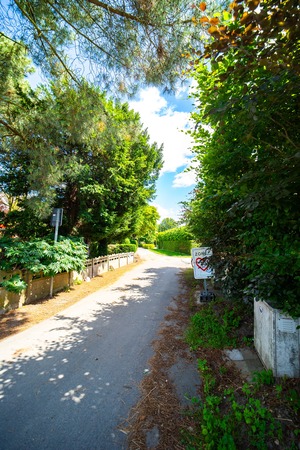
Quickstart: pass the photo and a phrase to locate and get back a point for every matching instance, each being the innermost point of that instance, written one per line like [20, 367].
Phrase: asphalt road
[69, 382]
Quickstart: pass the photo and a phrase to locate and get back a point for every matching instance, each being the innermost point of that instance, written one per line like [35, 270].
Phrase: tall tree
[246, 203]
[116, 42]
[146, 224]
[167, 224]
[85, 153]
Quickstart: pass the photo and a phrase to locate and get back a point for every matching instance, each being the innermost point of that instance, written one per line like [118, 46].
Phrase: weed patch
[233, 419]
[208, 329]
[231, 413]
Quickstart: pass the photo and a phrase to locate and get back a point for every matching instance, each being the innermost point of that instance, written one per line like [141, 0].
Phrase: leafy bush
[114, 249]
[14, 284]
[43, 256]
[175, 240]
[211, 330]
[148, 246]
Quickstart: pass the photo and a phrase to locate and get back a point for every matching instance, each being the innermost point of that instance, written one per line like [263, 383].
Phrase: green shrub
[14, 284]
[114, 249]
[148, 246]
[44, 256]
[175, 240]
[211, 330]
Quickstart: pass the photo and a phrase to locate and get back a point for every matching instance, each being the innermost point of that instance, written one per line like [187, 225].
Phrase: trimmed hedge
[113, 249]
[148, 246]
[175, 240]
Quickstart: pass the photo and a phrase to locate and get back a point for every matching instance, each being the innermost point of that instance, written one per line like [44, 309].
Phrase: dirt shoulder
[22, 318]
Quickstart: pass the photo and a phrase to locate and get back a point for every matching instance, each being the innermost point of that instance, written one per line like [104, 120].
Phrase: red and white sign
[200, 263]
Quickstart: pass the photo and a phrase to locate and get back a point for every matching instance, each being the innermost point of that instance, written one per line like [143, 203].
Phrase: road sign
[200, 263]
[56, 218]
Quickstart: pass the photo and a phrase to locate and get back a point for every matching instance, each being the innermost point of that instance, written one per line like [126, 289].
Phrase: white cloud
[164, 127]
[184, 179]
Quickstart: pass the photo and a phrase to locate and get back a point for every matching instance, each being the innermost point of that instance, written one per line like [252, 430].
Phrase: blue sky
[166, 117]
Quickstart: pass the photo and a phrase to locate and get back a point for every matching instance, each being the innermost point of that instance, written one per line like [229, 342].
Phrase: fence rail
[97, 266]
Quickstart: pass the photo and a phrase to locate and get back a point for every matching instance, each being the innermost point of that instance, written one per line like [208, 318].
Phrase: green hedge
[148, 246]
[114, 249]
[175, 240]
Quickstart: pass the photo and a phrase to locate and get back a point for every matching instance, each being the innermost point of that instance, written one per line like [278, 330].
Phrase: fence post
[29, 285]
[107, 263]
[92, 267]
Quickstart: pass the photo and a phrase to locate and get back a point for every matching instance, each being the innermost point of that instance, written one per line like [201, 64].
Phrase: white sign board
[200, 263]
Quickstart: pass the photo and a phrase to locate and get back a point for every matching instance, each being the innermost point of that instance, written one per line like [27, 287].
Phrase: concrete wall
[97, 266]
[39, 287]
[277, 340]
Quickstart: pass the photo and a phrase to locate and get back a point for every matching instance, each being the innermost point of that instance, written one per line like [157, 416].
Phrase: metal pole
[55, 240]
[205, 286]
[56, 226]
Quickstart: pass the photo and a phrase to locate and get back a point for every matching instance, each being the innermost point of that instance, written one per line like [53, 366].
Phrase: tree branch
[285, 133]
[42, 37]
[82, 34]
[11, 128]
[12, 40]
[119, 12]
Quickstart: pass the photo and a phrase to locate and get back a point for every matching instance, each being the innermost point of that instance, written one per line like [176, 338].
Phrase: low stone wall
[10, 300]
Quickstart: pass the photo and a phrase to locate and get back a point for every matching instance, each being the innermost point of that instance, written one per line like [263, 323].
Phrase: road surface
[69, 382]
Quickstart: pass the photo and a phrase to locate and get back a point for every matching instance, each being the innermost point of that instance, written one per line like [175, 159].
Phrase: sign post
[56, 221]
[202, 270]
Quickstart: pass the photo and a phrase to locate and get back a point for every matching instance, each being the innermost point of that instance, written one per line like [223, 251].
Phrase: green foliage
[207, 375]
[210, 329]
[147, 246]
[167, 224]
[229, 422]
[69, 146]
[175, 234]
[294, 400]
[175, 240]
[148, 38]
[146, 224]
[245, 205]
[14, 284]
[264, 377]
[39, 255]
[121, 248]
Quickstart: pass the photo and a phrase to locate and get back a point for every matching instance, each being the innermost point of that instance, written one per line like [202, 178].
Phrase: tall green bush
[246, 203]
[175, 240]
